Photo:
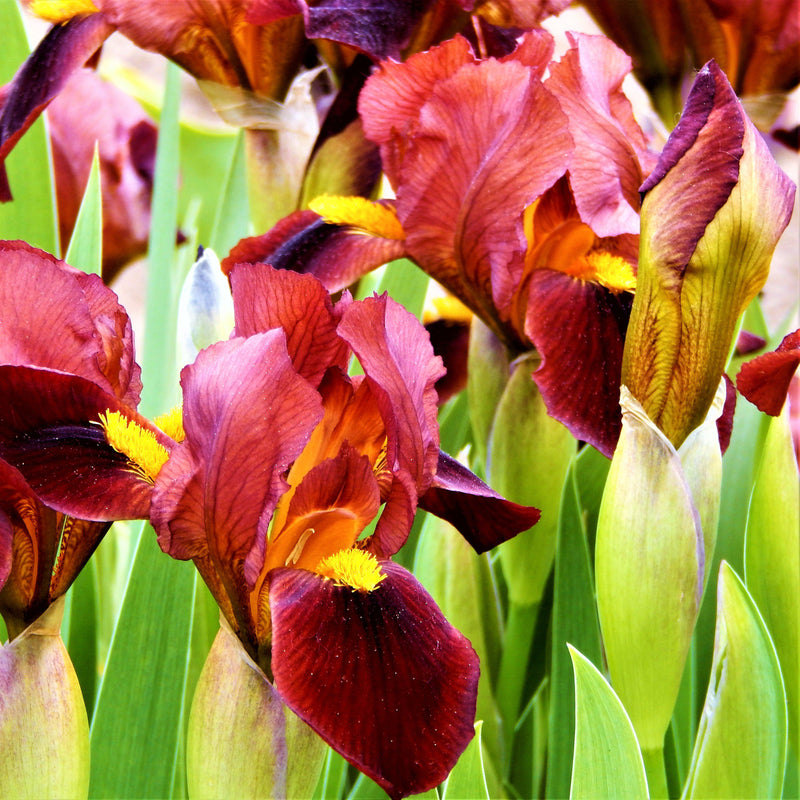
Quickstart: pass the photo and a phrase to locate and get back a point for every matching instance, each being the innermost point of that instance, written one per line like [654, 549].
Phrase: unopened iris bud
[205, 308]
[649, 569]
[714, 209]
[242, 740]
[44, 730]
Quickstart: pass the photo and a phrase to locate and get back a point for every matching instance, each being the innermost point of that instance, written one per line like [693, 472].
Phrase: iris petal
[405, 729]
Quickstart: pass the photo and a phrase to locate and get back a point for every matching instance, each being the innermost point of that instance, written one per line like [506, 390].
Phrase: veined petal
[765, 380]
[337, 255]
[30, 540]
[54, 437]
[380, 675]
[266, 298]
[483, 517]
[65, 49]
[606, 166]
[578, 327]
[460, 189]
[396, 355]
[87, 332]
[247, 416]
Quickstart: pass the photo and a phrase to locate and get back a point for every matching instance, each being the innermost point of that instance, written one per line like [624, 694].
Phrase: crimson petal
[381, 675]
[483, 517]
[764, 381]
[265, 298]
[54, 438]
[65, 49]
[398, 360]
[579, 329]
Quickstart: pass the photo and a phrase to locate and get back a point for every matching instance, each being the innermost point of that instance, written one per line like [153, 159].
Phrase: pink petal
[765, 380]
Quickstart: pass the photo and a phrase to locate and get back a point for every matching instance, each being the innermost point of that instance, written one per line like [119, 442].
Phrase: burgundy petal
[50, 431]
[725, 421]
[5, 547]
[63, 50]
[579, 329]
[483, 517]
[265, 298]
[395, 522]
[396, 355]
[381, 676]
[379, 28]
[764, 381]
[337, 255]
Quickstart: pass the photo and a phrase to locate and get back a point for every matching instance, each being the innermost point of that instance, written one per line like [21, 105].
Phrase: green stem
[517, 641]
[656, 773]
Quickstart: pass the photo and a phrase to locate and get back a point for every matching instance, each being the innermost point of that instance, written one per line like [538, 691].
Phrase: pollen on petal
[61, 11]
[172, 423]
[355, 568]
[358, 212]
[139, 445]
[611, 271]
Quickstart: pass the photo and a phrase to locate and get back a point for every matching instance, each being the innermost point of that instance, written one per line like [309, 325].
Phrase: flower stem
[656, 773]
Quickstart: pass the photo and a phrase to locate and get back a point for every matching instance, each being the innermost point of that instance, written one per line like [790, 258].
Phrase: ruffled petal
[605, 168]
[265, 298]
[50, 430]
[454, 154]
[65, 49]
[247, 416]
[396, 355]
[579, 327]
[381, 675]
[483, 517]
[765, 380]
[76, 326]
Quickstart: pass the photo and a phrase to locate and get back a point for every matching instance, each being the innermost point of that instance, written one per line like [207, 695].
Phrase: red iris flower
[58, 325]
[518, 193]
[286, 461]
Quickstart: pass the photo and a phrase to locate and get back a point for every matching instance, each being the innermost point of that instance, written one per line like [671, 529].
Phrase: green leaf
[86, 245]
[406, 283]
[138, 722]
[467, 781]
[574, 620]
[32, 213]
[607, 761]
[333, 778]
[772, 554]
[163, 278]
[231, 222]
[740, 749]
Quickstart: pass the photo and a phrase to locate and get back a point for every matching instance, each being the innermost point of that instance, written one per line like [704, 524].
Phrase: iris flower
[58, 324]
[518, 193]
[286, 464]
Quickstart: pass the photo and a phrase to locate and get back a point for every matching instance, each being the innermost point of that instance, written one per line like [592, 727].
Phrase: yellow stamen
[447, 308]
[355, 568]
[613, 272]
[172, 423]
[139, 445]
[358, 212]
[60, 11]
